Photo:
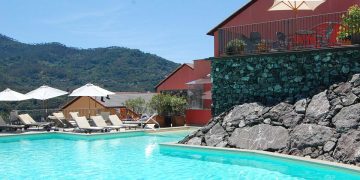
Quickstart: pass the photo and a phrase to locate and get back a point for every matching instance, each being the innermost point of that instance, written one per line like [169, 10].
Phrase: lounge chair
[100, 122]
[73, 115]
[84, 125]
[114, 119]
[64, 122]
[10, 127]
[148, 120]
[27, 120]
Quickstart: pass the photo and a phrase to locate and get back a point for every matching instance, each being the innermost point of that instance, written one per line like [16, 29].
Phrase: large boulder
[310, 135]
[215, 135]
[277, 111]
[318, 108]
[348, 148]
[291, 119]
[239, 113]
[195, 141]
[300, 106]
[347, 118]
[260, 137]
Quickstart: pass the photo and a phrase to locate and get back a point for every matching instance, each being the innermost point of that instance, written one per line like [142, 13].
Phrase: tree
[137, 105]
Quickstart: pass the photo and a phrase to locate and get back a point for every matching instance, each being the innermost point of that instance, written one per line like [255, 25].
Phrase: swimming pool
[139, 156]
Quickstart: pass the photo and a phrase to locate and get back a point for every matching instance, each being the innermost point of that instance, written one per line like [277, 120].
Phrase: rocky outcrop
[262, 137]
[325, 126]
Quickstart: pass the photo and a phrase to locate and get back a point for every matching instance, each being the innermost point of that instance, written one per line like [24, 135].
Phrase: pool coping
[150, 131]
[348, 167]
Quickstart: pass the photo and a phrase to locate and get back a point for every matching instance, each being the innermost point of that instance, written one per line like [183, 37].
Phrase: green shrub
[350, 24]
[235, 46]
[166, 104]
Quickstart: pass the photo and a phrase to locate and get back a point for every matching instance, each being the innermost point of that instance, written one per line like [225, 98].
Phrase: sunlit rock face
[325, 126]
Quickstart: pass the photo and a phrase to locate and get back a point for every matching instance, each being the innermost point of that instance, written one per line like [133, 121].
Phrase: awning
[200, 81]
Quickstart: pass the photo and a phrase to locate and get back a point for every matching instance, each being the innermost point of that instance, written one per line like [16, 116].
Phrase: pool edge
[347, 167]
[150, 131]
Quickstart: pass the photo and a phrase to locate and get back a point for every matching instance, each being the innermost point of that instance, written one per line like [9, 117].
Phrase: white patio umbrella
[295, 5]
[44, 93]
[10, 95]
[91, 90]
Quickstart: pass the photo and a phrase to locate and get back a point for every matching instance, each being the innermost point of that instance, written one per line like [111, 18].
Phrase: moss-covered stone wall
[270, 78]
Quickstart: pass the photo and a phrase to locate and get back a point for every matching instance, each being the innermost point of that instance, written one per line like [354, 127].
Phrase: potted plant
[170, 108]
[350, 26]
[261, 46]
[235, 47]
[178, 106]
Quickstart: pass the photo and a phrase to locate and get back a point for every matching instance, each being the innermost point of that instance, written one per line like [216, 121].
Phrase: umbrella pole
[89, 107]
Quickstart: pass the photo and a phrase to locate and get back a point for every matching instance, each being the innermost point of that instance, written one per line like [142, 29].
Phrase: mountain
[25, 67]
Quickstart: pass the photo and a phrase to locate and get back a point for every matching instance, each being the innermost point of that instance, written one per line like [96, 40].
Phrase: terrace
[293, 34]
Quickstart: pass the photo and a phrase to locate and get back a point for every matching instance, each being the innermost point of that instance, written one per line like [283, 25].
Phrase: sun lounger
[145, 121]
[114, 119]
[10, 127]
[84, 125]
[60, 118]
[73, 115]
[27, 120]
[100, 122]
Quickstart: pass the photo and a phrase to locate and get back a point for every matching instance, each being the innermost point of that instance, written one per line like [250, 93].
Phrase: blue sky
[173, 29]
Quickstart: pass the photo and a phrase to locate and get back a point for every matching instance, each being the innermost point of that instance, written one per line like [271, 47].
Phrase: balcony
[320, 31]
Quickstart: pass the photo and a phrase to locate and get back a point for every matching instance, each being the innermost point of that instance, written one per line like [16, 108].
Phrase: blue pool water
[139, 156]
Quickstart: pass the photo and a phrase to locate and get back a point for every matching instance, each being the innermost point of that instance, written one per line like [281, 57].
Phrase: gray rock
[241, 112]
[267, 121]
[343, 88]
[329, 146]
[325, 157]
[310, 135]
[277, 111]
[260, 137]
[355, 77]
[291, 119]
[195, 141]
[215, 135]
[349, 99]
[348, 148]
[206, 128]
[355, 80]
[222, 144]
[307, 151]
[356, 91]
[318, 107]
[347, 118]
[300, 106]
[230, 128]
[336, 101]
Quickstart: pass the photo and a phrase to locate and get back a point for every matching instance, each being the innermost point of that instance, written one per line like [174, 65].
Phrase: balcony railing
[282, 35]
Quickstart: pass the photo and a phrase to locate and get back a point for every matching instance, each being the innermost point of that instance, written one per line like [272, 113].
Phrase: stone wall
[271, 78]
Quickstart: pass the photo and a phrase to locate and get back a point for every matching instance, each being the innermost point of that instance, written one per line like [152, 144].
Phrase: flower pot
[178, 120]
[160, 120]
[355, 39]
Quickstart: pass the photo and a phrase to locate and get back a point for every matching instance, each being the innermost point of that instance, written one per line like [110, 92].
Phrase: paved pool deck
[70, 131]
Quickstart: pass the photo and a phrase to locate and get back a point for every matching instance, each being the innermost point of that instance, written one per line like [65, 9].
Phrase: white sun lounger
[114, 119]
[100, 122]
[84, 125]
[27, 120]
[61, 118]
